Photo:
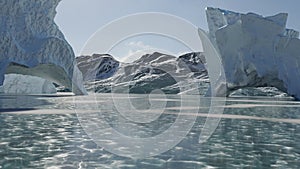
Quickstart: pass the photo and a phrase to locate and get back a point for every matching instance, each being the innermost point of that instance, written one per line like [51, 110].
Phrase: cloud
[134, 55]
[138, 45]
[138, 49]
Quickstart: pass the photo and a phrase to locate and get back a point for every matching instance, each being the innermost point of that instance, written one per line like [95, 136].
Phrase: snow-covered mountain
[97, 66]
[150, 72]
[32, 44]
[256, 51]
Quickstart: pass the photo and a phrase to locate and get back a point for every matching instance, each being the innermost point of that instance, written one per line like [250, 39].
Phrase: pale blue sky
[79, 19]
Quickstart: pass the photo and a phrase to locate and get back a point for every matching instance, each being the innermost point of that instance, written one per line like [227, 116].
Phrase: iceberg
[24, 84]
[256, 51]
[32, 44]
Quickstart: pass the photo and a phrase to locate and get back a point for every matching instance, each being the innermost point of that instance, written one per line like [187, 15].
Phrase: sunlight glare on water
[44, 132]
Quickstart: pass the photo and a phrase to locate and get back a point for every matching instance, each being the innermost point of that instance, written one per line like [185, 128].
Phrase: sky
[80, 19]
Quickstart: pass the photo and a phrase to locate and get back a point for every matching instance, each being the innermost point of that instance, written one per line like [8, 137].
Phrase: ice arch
[32, 44]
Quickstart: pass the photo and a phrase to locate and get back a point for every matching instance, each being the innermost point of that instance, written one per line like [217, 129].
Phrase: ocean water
[46, 132]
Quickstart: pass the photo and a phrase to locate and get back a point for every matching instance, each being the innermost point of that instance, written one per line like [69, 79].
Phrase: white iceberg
[32, 44]
[24, 84]
[256, 51]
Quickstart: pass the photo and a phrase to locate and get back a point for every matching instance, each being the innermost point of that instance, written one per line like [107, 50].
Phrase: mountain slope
[151, 72]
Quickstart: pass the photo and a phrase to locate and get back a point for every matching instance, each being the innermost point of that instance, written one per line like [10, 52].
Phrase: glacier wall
[32, 44]
[256, 51]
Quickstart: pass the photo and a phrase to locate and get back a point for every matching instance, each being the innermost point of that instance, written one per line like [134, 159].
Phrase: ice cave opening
[20, 79]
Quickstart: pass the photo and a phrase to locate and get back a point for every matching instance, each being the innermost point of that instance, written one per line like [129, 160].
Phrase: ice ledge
[24, 84]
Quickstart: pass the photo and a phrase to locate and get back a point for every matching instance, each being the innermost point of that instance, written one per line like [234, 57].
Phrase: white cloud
[139, 45]
[138, 49]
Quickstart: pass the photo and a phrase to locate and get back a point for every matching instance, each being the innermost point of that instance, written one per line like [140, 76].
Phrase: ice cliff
[32, 44]
[256, 51]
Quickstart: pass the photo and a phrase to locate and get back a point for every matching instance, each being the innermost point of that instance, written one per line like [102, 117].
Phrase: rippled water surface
[44, 132]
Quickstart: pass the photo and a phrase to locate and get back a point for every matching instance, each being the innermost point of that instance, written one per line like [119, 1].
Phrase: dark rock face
[195, 61]
[97, 66]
